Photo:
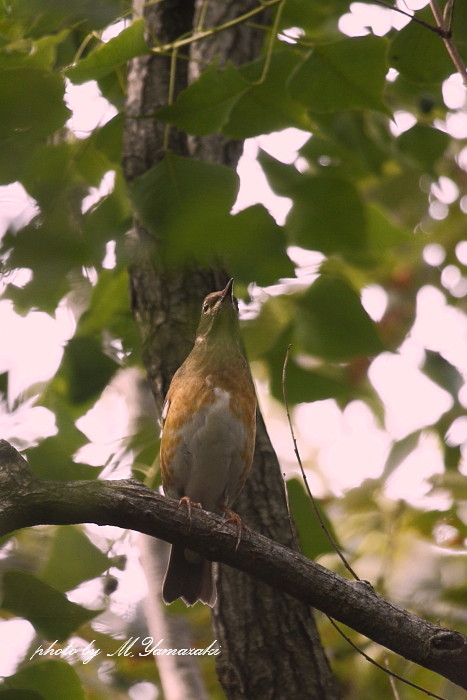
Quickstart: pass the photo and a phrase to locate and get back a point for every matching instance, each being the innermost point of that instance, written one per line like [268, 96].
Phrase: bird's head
[219, 316]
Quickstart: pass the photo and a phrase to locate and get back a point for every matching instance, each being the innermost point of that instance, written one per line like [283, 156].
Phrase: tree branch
[28, 501]
[451, 47]
[442, 29]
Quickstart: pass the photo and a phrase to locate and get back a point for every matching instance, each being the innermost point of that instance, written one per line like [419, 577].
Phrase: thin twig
[84, 44]
[386, 670]
[337, 550]
[414, 18]
[445, 32]
[448, 14]
[437, 13]
[305, 480]
[392, 680]
[202, 16]
[170, 97]
[293, 532]
[272, 39]
[382, 668]
[165, 48]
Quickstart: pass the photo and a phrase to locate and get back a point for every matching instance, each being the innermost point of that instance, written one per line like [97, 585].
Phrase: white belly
[207, 465]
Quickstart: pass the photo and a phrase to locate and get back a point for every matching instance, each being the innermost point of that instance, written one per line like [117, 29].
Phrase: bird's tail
[189, 577]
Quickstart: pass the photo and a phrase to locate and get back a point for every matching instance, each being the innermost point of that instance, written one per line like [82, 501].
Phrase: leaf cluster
[362, 195]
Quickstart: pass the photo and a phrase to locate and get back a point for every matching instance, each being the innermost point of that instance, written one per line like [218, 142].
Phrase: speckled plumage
[209, 423]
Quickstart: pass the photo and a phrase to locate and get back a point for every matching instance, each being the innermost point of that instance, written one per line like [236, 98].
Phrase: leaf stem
[272, 39]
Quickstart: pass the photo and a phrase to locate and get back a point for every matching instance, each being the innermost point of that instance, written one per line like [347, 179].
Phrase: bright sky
[344, 447]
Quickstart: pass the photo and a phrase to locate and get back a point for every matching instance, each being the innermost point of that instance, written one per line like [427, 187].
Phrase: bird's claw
[188, 504]
[232, 517]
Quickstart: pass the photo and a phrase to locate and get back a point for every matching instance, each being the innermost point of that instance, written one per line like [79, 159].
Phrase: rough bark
[26, 501]
[271, 650]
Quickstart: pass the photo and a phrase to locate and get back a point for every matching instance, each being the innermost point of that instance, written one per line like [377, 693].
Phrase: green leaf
[302, 384]
[262, 333]
[197, 223]
[459, 29]
[14, 161]
[423, 146]
[419, 54]
[266, 105]
[52, 458]
[178, 188]
[4, 379]
[254, 246]
[421, 99]
[204, 106]
[401, 197]
[383, 235]
[313, 539]
[443, 373]
[20, 695]
[109, 138]
[305, 385]
[332, 323]
[327, 215]
[283, 179]
[108, 220]
[453, 481]
[25, 53]
[452, 456]
[347, 74]
[327, 212]
[90, 163]
[40, 293]
[49, 611]
[425, 522]
[50, 250]
[399, 451]
[49, 16]
[113, 88]
[49, 680]
[315, 17]
[356, 143]
[109, 307]
[31, 104]
[72, 559]
[85, 369]
[109, 56]
[49, 174]
[456, 595]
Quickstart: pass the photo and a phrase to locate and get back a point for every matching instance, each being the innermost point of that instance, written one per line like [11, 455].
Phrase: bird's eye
[205, 307]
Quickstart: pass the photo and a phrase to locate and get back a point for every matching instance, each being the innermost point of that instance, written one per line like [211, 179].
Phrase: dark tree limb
[27, 501]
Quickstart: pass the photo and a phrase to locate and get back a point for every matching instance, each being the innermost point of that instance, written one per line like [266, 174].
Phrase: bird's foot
[232, 517]
[188, 504]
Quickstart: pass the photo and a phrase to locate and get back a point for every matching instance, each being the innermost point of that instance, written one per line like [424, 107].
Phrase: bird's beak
[227, 292]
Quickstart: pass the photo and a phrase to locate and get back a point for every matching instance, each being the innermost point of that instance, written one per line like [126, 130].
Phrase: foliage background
[382, 207]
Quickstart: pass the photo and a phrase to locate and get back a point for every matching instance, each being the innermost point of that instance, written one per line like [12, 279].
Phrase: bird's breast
[208, 435]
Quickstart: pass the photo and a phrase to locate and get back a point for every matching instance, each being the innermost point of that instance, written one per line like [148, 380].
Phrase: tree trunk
[270, 647]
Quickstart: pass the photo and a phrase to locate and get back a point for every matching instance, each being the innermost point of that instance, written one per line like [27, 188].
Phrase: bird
[208, 437]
